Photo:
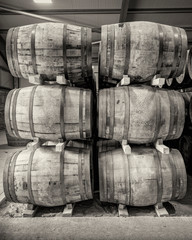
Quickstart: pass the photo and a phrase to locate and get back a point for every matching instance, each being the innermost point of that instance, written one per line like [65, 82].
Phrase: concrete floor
[137, 228]
[92, 219]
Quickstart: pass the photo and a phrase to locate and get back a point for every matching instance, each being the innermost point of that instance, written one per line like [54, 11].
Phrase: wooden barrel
[45, 177]
[185, 147]
[107, 145]
[186, 75]
[141, 50]
[140, 114]
[49, 112]
[143, 178]
[50, 49]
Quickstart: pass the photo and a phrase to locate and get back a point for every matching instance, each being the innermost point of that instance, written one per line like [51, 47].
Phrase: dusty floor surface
[148, 228]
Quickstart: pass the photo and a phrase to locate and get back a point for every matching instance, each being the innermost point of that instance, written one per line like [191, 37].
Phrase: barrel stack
[143, 171]
[134, 115]
[56, 57]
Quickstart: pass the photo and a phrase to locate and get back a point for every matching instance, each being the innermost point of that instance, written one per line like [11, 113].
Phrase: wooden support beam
[160, 210]
[36, 79]
[126, 147]
[35, 144]
[124, 9]
[123, 211]
[45, 18]
[61, 146]
[158, 81]
[30, 211]
[161, 147]
[97, 11]
[68, 210]
[95, 70]
[125, 81]
[60, 79]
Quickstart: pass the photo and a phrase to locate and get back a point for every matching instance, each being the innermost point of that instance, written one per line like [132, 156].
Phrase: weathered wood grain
[141, 50]
[50, 49]
[49, 112]
[144, 178]
[45, 177]
[140, 114]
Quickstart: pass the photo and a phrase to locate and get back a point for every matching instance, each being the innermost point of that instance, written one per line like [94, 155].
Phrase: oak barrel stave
[49, 112]
[140, 114]
[144, 178]
[50, 49]
[141, 50]
[45, 177]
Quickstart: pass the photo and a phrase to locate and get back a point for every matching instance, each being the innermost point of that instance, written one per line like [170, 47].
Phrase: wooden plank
[30, 211]
[68, 210]
[126, 147]
[161, 147]
[35, 144]
[160, 210]
[60, 79]
[123, 211]
[157, 81]
[35, 79]
[125, 81]
[60, 147]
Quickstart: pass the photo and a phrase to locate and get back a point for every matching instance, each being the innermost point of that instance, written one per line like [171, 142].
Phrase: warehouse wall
[6, 80]
[6, 83]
